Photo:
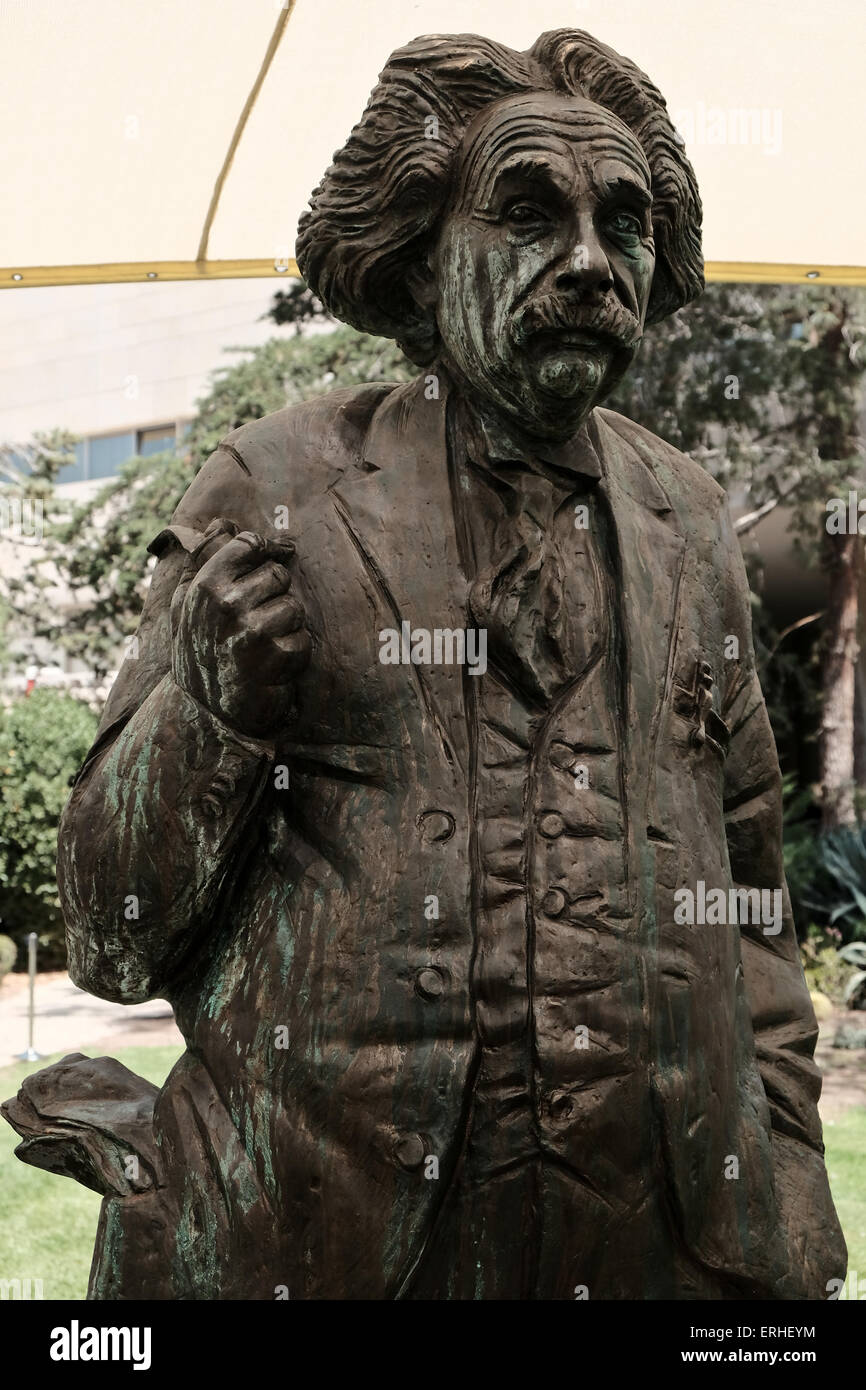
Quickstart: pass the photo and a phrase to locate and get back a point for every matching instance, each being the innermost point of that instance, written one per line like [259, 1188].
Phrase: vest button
[551, 825]
[554, 903]
[435, 826]
[561, 1107]
[429, 983]
[562, 756]
[409, 1150]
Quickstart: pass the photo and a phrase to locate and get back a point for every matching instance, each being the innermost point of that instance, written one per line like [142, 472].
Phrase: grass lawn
[845, 1142]
[48, 1223]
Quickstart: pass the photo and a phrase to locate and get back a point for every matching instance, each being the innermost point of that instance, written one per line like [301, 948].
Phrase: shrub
[838, 894]
[800, 851]
[855, 990]
[43, 740]
[8, 955]
[826, 969]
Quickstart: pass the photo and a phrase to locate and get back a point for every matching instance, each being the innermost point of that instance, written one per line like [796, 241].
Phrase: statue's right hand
[239, 640]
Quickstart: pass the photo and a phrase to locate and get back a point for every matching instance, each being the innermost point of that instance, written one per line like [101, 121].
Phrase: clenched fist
[238, 635]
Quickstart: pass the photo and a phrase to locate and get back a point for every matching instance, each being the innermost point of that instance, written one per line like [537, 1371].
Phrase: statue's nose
[586, 267]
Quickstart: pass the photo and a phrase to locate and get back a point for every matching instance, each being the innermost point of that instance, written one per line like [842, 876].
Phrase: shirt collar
[491, 443]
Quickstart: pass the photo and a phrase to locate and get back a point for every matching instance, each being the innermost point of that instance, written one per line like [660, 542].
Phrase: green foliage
[98, 551]
[761, 384]
[286, 370]
[31, 469]
[5, 619]
[843, 855]
[838, 893]
[789, 669]
[8, 955]
[43, 740]
[799, 849]
[826, 970]
[297, 305]
[854, 996]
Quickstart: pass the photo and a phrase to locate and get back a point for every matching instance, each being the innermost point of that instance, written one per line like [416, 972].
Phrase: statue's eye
[625, 224]
[524, 214]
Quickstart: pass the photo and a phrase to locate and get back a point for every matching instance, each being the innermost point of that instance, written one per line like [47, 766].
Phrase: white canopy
[179, 139]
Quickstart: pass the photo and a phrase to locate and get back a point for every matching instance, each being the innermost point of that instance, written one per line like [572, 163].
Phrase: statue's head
[519, 216]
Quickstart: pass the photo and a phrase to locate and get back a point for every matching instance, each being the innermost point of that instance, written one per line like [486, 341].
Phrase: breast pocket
[695, 702]
[686, 824]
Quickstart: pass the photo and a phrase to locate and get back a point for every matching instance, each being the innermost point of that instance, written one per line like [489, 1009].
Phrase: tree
[28, 473]
[743, 383]
[297, 305]
[834, 365]
[764, 386]
[43, 740]
[30, 470]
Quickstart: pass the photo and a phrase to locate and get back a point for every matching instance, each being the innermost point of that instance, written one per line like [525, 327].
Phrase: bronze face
[545, 259]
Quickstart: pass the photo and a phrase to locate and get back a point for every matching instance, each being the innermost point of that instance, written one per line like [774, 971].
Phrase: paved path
[68, 1020]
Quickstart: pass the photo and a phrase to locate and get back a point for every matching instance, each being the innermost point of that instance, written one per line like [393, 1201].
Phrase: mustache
[607, 319]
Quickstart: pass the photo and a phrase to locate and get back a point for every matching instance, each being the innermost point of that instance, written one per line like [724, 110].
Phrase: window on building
[101, 455]
[155, 439]
[107, 452]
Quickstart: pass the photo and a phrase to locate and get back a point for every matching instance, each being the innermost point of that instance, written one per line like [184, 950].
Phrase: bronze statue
[440, 798]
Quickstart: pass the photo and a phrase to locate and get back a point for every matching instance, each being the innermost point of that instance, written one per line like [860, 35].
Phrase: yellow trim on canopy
[125, 272]
[770, 273]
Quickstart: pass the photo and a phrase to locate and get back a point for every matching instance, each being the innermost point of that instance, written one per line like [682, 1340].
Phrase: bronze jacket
[287, 925]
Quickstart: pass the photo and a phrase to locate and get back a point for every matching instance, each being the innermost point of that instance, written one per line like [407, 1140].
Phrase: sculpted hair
[375, 212]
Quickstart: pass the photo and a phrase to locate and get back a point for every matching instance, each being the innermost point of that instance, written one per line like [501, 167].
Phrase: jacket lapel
[398, 512]
[651, 556]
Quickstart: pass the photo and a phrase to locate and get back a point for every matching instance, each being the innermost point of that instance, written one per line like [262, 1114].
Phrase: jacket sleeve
[783, 1020]
[151, 837]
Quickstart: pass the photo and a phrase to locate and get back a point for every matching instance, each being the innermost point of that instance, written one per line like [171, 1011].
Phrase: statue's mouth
[556, 323]
[573, 339]
[580, 338]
